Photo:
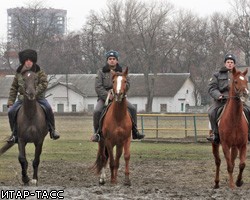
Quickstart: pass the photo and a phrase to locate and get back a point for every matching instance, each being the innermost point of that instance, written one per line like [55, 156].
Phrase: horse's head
[29, 78]
[240, 84]
[119, 84]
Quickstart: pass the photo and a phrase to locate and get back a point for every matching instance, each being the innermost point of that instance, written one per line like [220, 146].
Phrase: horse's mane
[119, 73]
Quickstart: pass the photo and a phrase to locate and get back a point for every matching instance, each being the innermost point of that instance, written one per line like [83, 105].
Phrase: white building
[76, 92]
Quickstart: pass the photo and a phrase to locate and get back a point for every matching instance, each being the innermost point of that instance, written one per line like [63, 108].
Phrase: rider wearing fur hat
[28, 59]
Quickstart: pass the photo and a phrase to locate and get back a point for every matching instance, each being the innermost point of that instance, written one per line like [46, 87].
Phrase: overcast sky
[77, 10]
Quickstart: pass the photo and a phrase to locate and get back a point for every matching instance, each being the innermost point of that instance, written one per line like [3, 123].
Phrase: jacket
[103, 82]
[17, 86]
[219, 84]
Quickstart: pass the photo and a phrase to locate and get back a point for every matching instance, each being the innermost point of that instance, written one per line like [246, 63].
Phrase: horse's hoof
[34, 182]
[114, 182]
[216, 187]
[26, 180]
[127, 183]
[101, 181]
[239, 183]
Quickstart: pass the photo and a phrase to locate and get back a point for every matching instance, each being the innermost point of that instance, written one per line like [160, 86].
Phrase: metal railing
[186, 116]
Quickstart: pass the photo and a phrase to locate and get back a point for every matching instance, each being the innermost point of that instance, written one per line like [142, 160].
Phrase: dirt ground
[150, 180]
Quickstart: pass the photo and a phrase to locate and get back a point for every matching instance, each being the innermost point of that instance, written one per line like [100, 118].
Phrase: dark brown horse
[31, 127]
[116, 131]
[233, 129]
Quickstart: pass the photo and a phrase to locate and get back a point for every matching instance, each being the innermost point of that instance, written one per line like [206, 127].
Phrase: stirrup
[210, 138]
[137, 135]
[96, 137]
[54, 135]
[12, 139]
[214, 138]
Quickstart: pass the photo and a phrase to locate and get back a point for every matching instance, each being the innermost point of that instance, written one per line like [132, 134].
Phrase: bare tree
[33, 27]
[146, 34]
[30, 30]
[144, 28]
[91, 46]
[240, 26]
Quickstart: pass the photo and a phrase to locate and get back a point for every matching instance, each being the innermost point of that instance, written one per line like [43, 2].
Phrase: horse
[31, 127]
[233, 129]
[116, 131]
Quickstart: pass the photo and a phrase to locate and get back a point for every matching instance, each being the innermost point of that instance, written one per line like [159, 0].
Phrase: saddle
[219, 113]
[221, 110]
[18, 108]
[104, 111]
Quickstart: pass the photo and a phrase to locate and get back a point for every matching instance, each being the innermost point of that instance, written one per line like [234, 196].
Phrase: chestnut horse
[116, 131]
[233, 129]
[31, 127]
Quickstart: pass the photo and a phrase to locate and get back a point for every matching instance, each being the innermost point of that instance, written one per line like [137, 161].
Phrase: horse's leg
[36, 161]
[101, 162]
[23, 161]
[234, 154]
[217, 163]
[102, 179]
[111, 161]
[127, 158]
[242, 165]
[119, 149]
[227, 154]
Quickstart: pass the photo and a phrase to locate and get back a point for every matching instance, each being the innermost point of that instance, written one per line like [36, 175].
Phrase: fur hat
[230, 56]
[27, 54]
[112, 53]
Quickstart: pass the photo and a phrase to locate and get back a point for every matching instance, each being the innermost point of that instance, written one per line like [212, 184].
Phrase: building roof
[166, 85]
[68, 85]
[83, 83]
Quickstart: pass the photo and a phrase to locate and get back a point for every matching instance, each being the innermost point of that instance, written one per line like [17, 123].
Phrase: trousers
[99, 108]
[12, 113]
[212, 114]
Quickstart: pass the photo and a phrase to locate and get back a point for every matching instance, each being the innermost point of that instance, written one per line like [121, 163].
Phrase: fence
[187, 123]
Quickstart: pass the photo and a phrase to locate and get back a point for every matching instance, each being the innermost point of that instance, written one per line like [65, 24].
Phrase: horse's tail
[102, 157]
[6, 147]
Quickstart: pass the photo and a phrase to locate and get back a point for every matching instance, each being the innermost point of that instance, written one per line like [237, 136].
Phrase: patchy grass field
[158, 170]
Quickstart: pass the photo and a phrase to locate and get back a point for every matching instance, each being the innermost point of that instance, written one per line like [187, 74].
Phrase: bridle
[240, 94]
[121, 95]
[29, 95]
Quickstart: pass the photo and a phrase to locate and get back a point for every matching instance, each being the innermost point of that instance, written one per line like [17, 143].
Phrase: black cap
[230, 56]
[112, 53]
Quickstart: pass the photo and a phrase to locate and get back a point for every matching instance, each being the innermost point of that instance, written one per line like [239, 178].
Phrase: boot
[211, 136]
[135, 133]
[51, 124]
[13, 137]
[96, 137]
[215, 138]
[248, 130]
[53, 133]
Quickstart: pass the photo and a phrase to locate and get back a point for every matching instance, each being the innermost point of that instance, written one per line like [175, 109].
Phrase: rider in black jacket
[218, 89]
[103, 84]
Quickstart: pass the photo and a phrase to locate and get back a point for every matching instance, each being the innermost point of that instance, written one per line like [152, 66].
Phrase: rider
[103, 84]
[28, 59]
[218, 89]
